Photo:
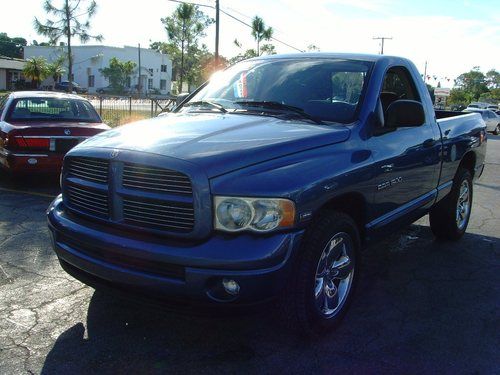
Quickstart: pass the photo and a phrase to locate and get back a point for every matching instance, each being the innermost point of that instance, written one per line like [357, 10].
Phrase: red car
[38, 128]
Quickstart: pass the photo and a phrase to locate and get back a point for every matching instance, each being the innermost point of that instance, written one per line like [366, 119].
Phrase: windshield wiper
[279, 106]
[210, 103]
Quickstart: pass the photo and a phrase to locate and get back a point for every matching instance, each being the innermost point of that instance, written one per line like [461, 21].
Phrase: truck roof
[332, 55]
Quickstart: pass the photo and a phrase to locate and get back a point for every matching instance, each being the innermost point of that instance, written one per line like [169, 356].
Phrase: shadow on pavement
[37, 183]
[421, 306]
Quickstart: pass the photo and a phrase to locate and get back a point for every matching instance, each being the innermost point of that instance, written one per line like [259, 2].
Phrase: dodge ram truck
[265, 183]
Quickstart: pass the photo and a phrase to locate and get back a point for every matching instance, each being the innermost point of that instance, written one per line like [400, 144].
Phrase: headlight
[234, 214]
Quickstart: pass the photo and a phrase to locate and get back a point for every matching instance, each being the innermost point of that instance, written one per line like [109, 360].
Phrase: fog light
[231, 286]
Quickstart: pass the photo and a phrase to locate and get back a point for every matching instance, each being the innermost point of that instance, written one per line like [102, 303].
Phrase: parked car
[38, 128]
[111, 90]
[491, 119]
[64, 86]
[262, 186]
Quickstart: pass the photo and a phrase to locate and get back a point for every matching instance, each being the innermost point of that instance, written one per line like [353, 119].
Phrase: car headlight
[234, 214]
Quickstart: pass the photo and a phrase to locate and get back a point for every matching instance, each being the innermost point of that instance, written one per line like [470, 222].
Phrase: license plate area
[63, 145]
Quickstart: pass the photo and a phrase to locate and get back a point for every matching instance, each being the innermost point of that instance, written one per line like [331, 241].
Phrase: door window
[398, 84]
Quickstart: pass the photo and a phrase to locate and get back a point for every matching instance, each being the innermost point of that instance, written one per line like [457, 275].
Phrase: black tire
[497, 130]
[299, 305]
[443, 217]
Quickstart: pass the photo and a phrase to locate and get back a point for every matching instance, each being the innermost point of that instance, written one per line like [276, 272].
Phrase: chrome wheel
[334, 275]
[463, 205]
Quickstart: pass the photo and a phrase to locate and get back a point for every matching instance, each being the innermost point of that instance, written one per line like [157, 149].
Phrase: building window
[163, 84]
[150, 83]
[91, 81]
[151, 71]
[163, 69]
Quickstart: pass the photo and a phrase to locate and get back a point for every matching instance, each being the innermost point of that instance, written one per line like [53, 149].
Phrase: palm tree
[56, 69]
[71, 19]
[36, 70]
[260, 32]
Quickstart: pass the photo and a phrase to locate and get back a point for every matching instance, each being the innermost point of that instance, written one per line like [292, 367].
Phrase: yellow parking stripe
[28, 192]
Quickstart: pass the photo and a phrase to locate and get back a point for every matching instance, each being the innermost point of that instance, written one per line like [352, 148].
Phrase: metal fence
[121, 110]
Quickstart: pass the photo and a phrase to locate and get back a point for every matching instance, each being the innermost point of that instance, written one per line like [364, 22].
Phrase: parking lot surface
[421, 307]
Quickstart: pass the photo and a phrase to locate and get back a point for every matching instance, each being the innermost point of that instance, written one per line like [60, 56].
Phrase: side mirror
[404, 113]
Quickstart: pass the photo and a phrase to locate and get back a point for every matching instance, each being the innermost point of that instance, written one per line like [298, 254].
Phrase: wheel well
[352, 204]
[469, 162]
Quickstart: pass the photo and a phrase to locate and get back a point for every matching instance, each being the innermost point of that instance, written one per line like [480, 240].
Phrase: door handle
[429, 143]
[387, 167]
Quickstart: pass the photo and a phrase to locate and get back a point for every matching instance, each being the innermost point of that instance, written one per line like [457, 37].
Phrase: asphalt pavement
[421, 307]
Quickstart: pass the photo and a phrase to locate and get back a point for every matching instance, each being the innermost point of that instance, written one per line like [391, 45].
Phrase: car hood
[219, 143]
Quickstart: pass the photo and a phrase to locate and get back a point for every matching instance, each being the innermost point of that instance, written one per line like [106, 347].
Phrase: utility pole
[139, 79]
[382, 38]
[216, 34]
[425, 72]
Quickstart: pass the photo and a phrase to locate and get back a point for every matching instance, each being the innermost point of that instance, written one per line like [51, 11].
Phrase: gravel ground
[421, 307]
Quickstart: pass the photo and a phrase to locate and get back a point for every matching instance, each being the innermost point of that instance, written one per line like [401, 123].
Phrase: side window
[398, 84]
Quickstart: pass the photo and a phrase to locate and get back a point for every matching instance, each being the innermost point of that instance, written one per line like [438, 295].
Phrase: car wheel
[450, 217]
[497, 130]
[322, 284]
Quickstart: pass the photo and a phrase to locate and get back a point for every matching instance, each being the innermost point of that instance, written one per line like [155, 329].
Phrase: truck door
[407, 159]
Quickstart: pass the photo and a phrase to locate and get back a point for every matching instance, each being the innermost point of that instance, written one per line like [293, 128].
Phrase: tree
[12, 47]
[36, 70]
[56, 69]
[184, 29]
[41, 44]
[72, 19]
[472, 82]
[260, 32]
[493, 79]
[313, 48]
[117, 73]
[460, 96]
[431, 92]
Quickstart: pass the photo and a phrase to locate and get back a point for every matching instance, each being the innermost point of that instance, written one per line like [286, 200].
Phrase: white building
[156, 68]
[10, 72]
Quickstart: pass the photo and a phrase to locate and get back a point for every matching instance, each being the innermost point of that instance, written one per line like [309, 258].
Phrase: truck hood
[219, 143]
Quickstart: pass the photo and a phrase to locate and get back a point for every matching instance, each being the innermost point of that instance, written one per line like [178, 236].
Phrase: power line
[236, 19]
[250, 26]
[197, 4]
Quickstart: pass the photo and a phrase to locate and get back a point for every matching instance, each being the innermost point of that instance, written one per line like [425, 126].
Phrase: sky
[452, 36]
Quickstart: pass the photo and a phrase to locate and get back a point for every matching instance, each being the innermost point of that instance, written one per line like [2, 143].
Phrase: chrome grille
[90, 169]
[160, 215]
[128, 194]
[160, 180]
[87, 200]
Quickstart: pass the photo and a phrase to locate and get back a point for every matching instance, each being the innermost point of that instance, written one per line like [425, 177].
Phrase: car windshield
[323, 89]
[53, 109]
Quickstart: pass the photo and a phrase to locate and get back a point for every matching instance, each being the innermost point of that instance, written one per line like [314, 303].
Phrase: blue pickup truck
[265, 184]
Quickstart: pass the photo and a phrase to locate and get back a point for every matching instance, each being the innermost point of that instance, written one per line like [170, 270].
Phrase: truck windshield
[53, 109]
[323, 89]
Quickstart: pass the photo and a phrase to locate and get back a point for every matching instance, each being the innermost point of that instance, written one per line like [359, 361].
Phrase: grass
[117, 117]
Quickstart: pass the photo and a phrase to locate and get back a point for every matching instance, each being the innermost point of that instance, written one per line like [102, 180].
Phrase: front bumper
[173, 270]
[18, 162]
